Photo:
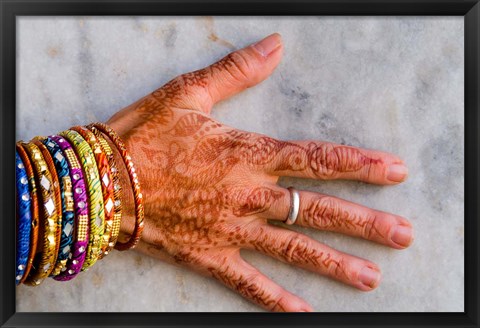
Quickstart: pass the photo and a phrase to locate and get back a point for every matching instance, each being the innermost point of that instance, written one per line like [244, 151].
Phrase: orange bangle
[117, 189]
[35, 211]
[139, 214]
[44, 261]
[107, 185]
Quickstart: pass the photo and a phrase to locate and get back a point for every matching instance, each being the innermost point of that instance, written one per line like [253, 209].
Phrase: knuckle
[294, 158]
[327, 160]
[259, 149]
[338, 267]
[324, 160]
[324, 213]
[246, 201]
[369, 170]
[370, 227]
[276, 304]
[297, 250]
[236, 65]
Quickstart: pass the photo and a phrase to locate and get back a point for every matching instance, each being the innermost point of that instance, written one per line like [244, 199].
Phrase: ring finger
[334, 214]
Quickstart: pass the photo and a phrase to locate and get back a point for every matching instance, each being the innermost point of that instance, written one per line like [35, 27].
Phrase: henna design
[198, 78]
[263, 151]
[152, 110]
[248, 202]
[325, 213]
[233, 63]
[323, 159]
[295, 159]
[328, 159]
[169, 93]
[246, 286]
[210, 148]
[188, 125]
[298, 251]
[239, 135]
[188, 173]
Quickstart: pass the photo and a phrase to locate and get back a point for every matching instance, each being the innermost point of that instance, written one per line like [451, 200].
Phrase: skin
[209, 188]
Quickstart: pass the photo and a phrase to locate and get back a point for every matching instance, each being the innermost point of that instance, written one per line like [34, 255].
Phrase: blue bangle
[24, 218]
[68, 214]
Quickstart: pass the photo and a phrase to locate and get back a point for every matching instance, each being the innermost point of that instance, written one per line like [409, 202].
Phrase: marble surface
[388, 83]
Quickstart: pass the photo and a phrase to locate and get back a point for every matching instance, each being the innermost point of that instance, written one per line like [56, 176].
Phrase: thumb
[234, 73]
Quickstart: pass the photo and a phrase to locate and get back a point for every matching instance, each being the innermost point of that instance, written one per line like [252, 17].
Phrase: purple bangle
[80, 204]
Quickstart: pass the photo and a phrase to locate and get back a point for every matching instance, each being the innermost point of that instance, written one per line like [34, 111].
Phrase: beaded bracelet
[34, 207]
[80, 204]
[24, 218]
[96, 206]
[117, 189]
[107, 183]
[45, 260]
[68, 216]
[139, 214]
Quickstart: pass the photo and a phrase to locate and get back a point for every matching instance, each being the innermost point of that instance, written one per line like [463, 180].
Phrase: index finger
[328, 161]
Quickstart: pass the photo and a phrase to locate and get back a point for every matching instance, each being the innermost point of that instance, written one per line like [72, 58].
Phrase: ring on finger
[294, 206]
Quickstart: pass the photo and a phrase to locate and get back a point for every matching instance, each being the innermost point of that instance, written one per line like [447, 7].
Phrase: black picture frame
[470, 9]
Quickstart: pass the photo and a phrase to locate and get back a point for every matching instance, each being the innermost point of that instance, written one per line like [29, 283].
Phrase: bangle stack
[69, 202]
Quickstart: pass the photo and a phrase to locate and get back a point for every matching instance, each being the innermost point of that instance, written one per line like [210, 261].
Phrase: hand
[209, 188]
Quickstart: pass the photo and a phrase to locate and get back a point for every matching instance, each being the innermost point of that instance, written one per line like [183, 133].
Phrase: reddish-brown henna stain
[188, 125]
[299, 251]
[246, 286]
[193, 198]
[325, 213]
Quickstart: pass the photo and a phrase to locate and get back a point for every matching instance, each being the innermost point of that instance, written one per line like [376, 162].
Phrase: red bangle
[139, 215]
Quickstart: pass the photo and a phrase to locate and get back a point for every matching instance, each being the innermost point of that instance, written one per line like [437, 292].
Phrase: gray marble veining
[388, 83]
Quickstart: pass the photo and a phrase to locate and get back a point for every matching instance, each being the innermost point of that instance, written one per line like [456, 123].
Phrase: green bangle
[95, 196]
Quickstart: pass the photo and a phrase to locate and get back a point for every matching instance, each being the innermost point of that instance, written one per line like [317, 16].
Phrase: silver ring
[294, 206]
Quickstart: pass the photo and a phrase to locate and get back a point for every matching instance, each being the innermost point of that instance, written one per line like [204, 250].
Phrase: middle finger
[334, 214]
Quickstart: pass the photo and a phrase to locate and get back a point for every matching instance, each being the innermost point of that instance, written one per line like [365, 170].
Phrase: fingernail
[402, 235]
[397, 172]
[369, 277]
[266, 46]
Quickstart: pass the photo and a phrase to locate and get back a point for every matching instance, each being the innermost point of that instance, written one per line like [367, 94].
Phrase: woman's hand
[209, 188]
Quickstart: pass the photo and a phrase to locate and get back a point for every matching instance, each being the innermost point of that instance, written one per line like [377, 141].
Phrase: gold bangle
[44, 261]
[57, 198]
